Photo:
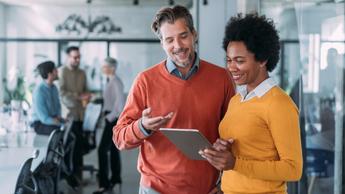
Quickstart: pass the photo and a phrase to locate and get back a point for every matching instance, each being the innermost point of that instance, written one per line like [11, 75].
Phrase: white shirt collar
[259, 91]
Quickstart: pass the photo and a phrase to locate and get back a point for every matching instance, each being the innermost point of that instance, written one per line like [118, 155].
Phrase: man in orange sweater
[182, 91]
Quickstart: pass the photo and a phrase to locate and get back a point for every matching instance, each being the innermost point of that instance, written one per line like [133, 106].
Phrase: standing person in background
[75, 96]
[46, 101]
[182, 91]
[113, 102]
[260, 146]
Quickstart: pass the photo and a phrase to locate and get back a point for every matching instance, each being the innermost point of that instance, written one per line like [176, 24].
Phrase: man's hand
[154, 123]
[57, 120]
[62, 120]
[219, 155]
[85, 96]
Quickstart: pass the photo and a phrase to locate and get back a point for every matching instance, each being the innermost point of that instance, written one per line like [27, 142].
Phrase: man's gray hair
[110, 62]
[170, 15]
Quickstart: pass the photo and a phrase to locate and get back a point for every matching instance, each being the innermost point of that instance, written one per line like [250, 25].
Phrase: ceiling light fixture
[76, 24]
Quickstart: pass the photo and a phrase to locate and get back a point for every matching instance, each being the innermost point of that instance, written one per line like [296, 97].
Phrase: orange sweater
[199, 102]
[267, 143]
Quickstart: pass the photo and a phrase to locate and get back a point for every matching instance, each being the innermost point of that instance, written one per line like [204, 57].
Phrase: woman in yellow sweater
[259, 147]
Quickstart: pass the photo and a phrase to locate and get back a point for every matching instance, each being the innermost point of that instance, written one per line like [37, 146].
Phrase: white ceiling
[187, 3]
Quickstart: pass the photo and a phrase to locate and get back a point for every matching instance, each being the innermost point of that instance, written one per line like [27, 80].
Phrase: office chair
[55, 150]
[67, 166]
[26, 182]
[68, 141]
[319, 164]
[48, 173]
[92, 115]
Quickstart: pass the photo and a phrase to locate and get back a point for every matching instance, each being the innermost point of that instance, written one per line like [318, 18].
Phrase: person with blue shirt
[46, 101]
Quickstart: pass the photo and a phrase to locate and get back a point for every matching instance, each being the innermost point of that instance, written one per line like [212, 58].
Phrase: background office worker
[260, 147]
[113, 102]
[46, 101]
[74, 95]
[182, 91]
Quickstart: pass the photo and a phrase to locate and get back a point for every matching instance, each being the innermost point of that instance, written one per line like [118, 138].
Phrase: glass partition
[22, 57]
[313, 41]
[21, 61]
[92, 54]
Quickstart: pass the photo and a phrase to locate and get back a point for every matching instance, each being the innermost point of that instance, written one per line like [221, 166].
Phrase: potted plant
[15, 97]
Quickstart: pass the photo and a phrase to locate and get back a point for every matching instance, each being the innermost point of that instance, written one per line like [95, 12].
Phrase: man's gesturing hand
[154, 123]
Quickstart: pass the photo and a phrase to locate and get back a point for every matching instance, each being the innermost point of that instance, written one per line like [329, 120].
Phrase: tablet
[188, 141]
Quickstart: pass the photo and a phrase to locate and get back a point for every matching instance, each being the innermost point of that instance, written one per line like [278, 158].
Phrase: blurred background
[311, 68]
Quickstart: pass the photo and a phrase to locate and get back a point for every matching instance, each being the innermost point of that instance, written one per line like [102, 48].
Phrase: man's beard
[74, 66]
[185, 64]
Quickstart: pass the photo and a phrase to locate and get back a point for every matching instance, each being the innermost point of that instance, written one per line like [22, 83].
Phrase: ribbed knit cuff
[143, 130]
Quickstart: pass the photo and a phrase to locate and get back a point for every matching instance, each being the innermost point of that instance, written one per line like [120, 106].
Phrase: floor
[130, 175]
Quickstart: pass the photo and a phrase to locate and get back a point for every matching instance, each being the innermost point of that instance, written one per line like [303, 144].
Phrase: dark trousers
[107, 145]
[43, 129]
[77, 129]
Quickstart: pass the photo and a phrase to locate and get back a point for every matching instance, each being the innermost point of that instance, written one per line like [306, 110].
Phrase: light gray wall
[2, 49]
[213, 18]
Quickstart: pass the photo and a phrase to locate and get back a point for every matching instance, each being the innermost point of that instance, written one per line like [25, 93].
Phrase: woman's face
[244, 69]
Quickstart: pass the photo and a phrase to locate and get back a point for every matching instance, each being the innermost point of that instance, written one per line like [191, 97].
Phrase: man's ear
[196, 37]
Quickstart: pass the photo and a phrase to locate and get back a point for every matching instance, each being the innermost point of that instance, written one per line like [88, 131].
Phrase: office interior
[311, 69]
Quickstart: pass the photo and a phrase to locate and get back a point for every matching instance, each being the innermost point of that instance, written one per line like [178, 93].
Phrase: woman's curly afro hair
[259, 35]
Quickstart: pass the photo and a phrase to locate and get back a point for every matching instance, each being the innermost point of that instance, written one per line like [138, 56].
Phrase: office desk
[21, 146]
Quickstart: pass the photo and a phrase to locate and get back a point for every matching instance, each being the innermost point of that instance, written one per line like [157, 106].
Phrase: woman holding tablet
[260, 146]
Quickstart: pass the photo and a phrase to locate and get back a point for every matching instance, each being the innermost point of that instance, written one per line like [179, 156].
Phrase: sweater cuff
[143, 130]
[238, 165]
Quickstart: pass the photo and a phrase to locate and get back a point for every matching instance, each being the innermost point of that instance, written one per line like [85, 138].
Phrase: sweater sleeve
[282, 120]
[126, 133]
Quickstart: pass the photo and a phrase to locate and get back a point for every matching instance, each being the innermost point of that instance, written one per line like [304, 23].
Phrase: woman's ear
[263, 64]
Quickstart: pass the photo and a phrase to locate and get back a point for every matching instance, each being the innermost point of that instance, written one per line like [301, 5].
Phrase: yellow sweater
[267, 143]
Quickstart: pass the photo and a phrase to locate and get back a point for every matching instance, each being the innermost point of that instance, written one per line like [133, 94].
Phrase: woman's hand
[219, 155]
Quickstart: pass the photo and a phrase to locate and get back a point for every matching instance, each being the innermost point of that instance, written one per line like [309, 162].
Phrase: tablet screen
[188, 141]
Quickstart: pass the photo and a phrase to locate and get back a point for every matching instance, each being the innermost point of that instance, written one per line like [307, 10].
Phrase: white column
[212, 20]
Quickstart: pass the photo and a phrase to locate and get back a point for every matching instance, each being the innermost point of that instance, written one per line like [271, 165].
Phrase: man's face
[107, 70]
[53, 75]
[74, 58]
[178, 42]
